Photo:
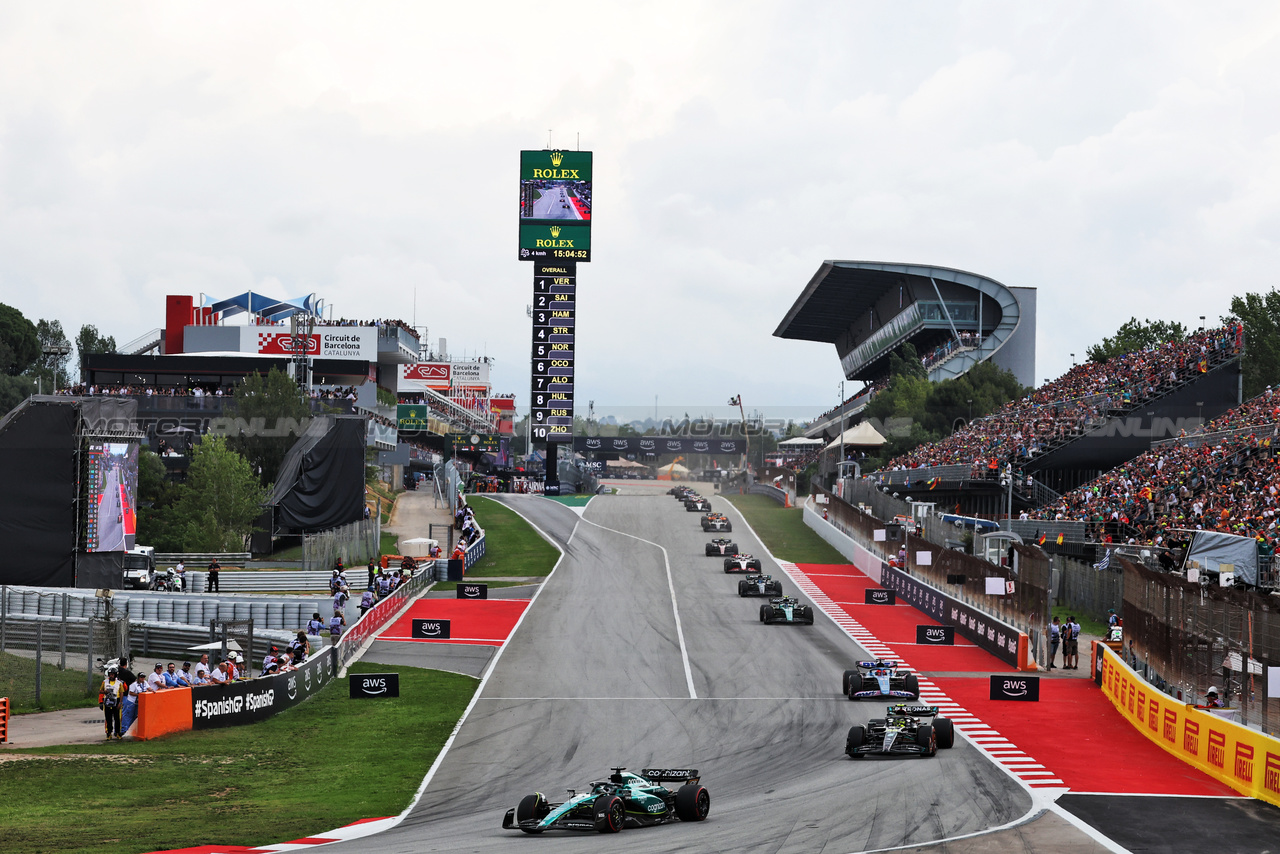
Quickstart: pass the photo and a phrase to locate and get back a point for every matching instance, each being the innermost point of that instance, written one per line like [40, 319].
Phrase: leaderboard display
[551, 392]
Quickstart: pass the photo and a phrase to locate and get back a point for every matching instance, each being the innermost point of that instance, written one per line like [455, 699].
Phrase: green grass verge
[59, 689]
[388, 544]
[783, 530]
[321, 765]
[512, 547]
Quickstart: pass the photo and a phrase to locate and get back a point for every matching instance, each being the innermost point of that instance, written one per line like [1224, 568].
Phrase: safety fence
[1183, 638]
[377, 617]
[1086, 590]
[353, 543]
[1024, 579]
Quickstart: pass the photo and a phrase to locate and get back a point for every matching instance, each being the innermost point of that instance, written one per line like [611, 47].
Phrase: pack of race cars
[641, 800]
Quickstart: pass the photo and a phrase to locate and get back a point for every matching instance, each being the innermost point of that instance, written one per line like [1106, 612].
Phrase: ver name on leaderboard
[554, 297]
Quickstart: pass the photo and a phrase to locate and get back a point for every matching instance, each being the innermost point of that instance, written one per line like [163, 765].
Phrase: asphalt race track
[552, 205]
[609, 668]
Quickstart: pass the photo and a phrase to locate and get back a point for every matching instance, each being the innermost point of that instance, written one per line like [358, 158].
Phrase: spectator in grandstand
[185, 677]
[219, 674]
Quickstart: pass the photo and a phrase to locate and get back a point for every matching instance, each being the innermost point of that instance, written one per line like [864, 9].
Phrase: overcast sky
[1123, 158]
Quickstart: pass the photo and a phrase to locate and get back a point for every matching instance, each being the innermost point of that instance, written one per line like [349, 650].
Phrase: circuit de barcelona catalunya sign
[657, 445]
[258, 699]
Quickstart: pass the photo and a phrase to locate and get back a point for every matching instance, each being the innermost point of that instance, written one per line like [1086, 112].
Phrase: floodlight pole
[840, 462]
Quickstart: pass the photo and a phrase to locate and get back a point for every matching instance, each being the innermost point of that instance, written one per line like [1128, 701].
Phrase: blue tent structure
[264, 306]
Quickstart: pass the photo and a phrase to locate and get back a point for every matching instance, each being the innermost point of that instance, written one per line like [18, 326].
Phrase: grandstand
[1069, 431]
[954, 319]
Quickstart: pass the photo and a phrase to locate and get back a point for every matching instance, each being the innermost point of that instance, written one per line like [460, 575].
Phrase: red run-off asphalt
[474, 621]
[1072, 738]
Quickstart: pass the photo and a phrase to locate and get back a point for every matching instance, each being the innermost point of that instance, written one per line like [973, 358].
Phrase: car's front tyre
[531, 807]
[610, 813]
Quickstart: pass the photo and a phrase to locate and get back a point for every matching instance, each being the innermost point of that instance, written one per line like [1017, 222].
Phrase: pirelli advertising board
[254, 700]
[555, 205]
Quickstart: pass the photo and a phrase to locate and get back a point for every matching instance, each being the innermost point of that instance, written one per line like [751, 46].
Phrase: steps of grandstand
[144, 343]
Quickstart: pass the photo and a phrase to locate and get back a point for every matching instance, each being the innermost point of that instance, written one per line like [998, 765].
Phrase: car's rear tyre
[945, 733]
[912, 684]
[610, 813]
[857, 738]
[925, 738]
[774, 588]
[728, 527]
[531, 806]
[692, 802]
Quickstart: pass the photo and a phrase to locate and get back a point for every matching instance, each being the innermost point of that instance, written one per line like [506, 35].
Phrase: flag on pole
[1060, 538]
[933, 482]
[1040, 542]
[1105, 563]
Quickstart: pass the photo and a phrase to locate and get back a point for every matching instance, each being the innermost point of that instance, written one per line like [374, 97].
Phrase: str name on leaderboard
[554, 289]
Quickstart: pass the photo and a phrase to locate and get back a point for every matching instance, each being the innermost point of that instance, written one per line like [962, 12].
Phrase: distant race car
[786, 609]
[716, 522]
[624, 800]
[880, 678]
[905, 730]
[698, 505]
[682, 492]
[742, 563]
[759, 585]
[721, 546]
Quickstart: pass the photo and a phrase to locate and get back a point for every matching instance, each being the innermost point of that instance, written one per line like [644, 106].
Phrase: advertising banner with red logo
[332, 342]
[1244, 759]
[423, 375]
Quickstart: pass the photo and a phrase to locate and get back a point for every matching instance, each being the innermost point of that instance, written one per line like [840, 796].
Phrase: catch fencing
[1085, 590]
[1184, 638]
[354, 543]
[1024, 605]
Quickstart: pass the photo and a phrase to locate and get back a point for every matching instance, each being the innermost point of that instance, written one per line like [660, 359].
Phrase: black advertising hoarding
[935, 635]
[555, 205]
[984, 630]
[1015, 687]
[373, 686]
[657, 445]
[552, 355]
[430, 629]
[255, 700]
[472, 591]
[874, 596]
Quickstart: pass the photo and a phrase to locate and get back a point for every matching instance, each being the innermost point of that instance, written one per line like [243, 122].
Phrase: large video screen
[111, 481]
[555, 205]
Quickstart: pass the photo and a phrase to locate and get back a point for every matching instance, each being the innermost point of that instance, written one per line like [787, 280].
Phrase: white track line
[675, 607]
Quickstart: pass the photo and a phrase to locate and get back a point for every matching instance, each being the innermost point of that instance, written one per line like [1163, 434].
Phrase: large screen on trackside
[555, 205]
[111, 490]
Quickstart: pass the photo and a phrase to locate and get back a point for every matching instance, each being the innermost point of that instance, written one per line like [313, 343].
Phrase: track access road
[638, 652]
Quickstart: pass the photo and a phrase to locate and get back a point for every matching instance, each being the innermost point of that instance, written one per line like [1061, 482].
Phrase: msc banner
[657, 445]
[995, 637]
[1244, 759]
[258, 699]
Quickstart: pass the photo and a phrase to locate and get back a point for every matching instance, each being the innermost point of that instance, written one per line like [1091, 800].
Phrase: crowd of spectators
[388, 323]
[1068, 406]
[863, 395]
[1229, 483]
[203, 390]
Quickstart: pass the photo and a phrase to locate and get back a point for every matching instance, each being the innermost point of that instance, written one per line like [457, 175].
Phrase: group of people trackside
[1067, 635]
[121, 687]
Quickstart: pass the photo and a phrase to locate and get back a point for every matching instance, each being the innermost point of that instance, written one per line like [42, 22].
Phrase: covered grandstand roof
[264, 306]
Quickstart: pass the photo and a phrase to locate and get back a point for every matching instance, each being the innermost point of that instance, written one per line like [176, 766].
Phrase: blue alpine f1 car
[880, 678]
[624, 800]
[903, 731]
